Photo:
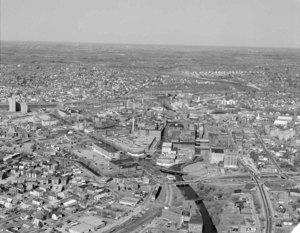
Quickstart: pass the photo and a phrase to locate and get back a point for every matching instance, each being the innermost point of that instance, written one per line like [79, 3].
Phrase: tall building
[230, 161]
[24, 107]
[202, 147]
[12, 104]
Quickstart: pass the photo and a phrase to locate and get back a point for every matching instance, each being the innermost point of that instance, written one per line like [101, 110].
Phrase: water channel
[189, 194]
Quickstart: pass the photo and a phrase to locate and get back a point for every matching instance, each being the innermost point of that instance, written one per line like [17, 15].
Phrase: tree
[257, 205]
[254, 156]
[33, 147]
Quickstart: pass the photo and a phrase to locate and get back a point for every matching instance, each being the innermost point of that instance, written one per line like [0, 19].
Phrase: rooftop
[92, 220]
[106, 147]
[124, 162]
[196, 219]
[82, 227]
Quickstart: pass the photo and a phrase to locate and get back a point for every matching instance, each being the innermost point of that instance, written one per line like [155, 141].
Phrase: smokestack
[132, 127]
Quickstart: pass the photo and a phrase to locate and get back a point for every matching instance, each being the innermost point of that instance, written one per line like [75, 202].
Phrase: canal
[189, 194]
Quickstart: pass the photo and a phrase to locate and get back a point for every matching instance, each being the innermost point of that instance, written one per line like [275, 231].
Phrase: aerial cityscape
[141, 138]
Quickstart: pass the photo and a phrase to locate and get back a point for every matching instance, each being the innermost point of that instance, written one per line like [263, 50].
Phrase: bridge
[173, 172]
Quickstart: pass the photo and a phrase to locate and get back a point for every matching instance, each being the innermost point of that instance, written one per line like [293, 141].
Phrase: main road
[267, 208]
[282, 173]
[266, 205]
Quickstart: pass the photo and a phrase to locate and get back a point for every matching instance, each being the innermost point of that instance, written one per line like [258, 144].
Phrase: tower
[12, 104]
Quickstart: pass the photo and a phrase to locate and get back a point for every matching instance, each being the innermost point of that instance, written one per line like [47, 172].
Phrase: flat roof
[167, 144]
[106, 147]
[196, 219]
[92, 220]
[123, 162]
[82, 227]
[128, 165]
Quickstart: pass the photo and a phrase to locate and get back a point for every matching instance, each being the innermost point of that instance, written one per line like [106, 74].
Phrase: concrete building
[12, 104]
[106, 150]
[283, 120]
[230, 161]
[202, 147]
[217, 156]
[196, 224]
[93, 221]
[166, 147]
[135, 144]
[123, 166]
[129, 201]
[24, 107]
[165, 162]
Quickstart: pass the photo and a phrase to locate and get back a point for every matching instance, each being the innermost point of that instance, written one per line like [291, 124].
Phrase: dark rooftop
[196, 219]
[123, 162]
[106, 147]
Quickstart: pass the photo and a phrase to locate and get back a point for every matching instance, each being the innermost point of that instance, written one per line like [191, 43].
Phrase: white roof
[167, 144]
[285, 118]
[280, 122]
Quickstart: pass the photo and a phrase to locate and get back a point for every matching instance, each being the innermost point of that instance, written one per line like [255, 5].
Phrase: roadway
[270, 156]
[266, 207]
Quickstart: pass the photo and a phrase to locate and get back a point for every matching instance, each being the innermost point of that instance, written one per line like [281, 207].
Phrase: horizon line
[146, 44]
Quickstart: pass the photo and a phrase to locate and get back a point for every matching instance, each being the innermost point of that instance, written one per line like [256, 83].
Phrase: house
[196, 224]
[37, 202]
[129, 201]
[55, 180]
[56, 215]
[64, 194]
[37, 193]
[44, 180]
[101, 195]
[69, 202]
[30, 185]
[57, 188]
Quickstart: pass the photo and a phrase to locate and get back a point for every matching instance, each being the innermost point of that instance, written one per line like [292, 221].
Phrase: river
[189, 193]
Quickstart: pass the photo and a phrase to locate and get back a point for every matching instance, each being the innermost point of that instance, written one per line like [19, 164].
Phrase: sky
[251, 23]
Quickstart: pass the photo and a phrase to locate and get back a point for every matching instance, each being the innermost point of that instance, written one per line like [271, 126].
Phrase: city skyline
[201, 23]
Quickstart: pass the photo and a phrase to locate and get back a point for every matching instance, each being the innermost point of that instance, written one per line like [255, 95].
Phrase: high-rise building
[24, 107]
[12, 104]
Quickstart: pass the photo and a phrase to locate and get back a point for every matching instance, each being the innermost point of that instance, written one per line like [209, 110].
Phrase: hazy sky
[266, 23]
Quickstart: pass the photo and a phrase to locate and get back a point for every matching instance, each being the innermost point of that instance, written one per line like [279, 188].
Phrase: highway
[267, 208]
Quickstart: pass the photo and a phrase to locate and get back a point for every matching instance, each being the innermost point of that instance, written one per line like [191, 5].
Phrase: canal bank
[189, 194]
